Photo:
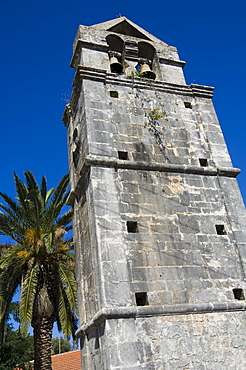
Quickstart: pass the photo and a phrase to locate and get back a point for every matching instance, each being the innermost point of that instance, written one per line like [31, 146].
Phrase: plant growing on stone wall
[134, 73]
[156, 114]
[153, 122]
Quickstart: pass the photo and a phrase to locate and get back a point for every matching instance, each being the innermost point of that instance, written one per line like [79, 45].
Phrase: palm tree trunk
[2, 329]
[42, 344]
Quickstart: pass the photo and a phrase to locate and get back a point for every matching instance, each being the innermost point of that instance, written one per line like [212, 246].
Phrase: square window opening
[220, 229]
[187, 104]
[123, 155]
[132, 226]
[141, 299]
[203, 162]
[238, 294]
[114, 94]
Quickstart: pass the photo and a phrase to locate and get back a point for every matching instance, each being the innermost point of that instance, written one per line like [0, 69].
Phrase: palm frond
[48, 195]
[63, 314]
[43, 189]
[31, 182]
[67, 279]
[53, 213]
[65, 219]
[10, 202]
[48, 238]
[13, 217]
[9, 281]
[28, 293]
[36, 207]
[35, 195]
[67, 318]
[60, 191]
[21, 190]
[10, 256]
[10, 228]
[64, 254]
[45, 194]
[10, 277]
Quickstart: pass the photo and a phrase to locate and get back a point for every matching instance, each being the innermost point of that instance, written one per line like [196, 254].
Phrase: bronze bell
[146, 72]
[115, 65]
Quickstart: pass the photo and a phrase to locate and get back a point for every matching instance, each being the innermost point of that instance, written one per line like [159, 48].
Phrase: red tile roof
[67, 361]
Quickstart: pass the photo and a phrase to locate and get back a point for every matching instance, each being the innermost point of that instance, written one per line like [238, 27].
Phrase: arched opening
[146, 55]
[115, 51]
[75, 134]
[76, 147]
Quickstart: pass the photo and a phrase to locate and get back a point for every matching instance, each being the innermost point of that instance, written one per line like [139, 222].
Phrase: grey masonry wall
[159, 222]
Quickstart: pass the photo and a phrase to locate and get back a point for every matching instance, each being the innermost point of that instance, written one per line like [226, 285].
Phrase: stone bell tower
[159, 222]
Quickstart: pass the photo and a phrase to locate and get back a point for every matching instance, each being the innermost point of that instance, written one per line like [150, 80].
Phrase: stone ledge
[90, 73]
[92, 160]
[202, 91]
[150, 311]
[84, 72]
[178, 63]
[162, 167]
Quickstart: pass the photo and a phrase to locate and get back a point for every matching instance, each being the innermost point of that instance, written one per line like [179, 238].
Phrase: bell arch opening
[115, 51]
[147, 60]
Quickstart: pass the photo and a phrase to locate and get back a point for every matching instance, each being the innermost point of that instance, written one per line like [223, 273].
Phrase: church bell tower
[159, 222]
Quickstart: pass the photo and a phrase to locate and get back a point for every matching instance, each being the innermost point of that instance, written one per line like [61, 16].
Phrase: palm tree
[39, 261]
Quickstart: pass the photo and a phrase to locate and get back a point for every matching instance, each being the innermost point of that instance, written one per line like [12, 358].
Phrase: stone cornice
[93, 160]
[178, 63]
[203, 91]
[162, 167]
[102, 75]
[89, 73]
[108, 313]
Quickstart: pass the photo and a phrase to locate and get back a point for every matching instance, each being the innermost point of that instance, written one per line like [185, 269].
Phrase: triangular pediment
[126, 28]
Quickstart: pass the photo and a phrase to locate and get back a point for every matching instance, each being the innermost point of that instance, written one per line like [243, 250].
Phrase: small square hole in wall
[114, 94]
[132, 226]
[203, 162]
[141, 299]
[123, 155]
[238, 294]
[187, 104]
[220, 229]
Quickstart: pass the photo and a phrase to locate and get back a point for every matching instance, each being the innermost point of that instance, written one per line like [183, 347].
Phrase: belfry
[159, 222]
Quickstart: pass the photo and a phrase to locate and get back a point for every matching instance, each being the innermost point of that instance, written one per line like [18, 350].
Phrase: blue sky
[36, 48]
